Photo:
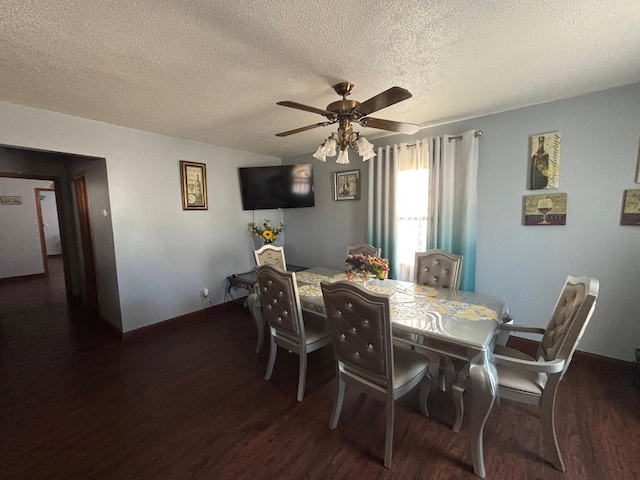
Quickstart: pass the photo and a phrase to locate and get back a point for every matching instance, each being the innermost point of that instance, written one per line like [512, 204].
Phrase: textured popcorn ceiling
[213, 71]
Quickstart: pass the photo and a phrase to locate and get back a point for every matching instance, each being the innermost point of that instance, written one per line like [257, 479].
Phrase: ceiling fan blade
[303, 129]
[306, 108]
[382, 100]
[408, 128]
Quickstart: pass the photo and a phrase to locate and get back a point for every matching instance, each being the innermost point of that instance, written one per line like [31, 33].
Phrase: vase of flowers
[268, 233]
[366, 267]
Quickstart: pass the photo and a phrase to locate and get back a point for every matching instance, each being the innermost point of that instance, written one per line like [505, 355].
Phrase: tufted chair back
[280, 302]
[438, 268]
[569, 320]
[364, 249]
[361, 331]
[270, 255]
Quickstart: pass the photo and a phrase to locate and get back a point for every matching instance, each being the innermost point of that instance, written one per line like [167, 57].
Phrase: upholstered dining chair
[535, 380]
[265, 255]
[360, 328]
[270, 255]
[441, 269]
[287, 328]
[363, 248]
[438, 268]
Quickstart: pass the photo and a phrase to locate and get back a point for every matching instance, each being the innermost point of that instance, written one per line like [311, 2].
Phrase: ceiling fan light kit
[346, 112]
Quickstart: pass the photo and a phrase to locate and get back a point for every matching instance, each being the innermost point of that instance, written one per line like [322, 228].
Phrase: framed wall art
[193, 177]
[631, 208]
[346, 185]
[548, 209]
[545, 161]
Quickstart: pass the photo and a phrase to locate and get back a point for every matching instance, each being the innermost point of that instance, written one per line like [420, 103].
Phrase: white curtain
[453, 199]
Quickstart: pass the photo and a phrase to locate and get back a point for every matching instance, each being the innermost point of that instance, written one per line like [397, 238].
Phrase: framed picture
[631, 208]
[193, 177]
[548, 209]
[346, 185]
[545, 161]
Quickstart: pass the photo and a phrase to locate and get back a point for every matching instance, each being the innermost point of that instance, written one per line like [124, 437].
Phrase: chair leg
[337, 403]
[273, 349]
[388, 443]
[425, 389]
[260, 329]
[302, 375]
[549, 437]
[253, 302]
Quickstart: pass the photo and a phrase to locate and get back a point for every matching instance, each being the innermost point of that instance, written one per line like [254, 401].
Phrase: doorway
[26, 226]
[80, 184]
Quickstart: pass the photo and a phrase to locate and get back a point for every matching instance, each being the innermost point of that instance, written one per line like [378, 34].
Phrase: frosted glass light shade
[330, 147]
[367, 155]
[363, 145]
[320, 155]
[343, 156]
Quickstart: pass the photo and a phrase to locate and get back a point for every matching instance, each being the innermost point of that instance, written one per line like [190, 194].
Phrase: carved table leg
[483, 399]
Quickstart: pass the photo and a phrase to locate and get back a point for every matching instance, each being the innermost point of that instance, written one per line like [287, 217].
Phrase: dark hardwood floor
[76, 403]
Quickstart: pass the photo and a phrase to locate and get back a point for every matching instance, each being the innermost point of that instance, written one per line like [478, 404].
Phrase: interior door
[86, 238]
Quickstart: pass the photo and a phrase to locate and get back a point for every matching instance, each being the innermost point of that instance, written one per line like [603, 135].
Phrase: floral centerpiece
[267, 233]
[367, 266]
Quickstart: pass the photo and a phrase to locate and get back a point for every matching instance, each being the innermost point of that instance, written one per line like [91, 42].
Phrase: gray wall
[527, 265]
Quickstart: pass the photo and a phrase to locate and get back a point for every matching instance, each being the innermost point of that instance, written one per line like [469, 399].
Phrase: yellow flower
[268, 233]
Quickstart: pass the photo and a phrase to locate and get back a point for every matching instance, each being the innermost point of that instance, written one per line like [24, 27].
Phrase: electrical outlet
[205, 292]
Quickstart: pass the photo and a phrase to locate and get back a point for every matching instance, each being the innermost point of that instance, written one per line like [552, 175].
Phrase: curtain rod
[478, 133]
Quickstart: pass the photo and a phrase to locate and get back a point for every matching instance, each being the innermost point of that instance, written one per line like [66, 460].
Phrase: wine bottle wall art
[545, 161]
[193, 177]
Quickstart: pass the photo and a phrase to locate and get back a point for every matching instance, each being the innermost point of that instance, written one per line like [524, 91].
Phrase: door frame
[80, 190]
[43, 242]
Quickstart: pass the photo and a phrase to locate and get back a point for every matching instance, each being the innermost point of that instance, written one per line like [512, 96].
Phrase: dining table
[460, 324]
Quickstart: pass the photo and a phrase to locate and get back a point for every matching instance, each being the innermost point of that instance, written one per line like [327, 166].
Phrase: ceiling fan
[345, 113]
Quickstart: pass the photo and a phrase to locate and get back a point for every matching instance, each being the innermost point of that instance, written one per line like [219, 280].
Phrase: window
[412, 195]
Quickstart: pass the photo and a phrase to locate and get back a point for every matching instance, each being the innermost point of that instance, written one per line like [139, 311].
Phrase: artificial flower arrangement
[366, 265]
[267, 234]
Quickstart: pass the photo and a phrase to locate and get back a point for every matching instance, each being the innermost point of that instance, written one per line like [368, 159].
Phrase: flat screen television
[279, 186]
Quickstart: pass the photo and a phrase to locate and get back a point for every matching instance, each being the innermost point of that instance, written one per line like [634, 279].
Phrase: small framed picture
[631, 208]
[193, 177]
[346, 185]
[548, 209]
